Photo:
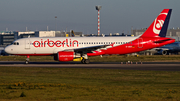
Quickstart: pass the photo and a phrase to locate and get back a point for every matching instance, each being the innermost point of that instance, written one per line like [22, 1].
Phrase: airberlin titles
[57, 43]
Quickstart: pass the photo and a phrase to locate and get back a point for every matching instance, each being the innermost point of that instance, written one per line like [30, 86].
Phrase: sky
[116, 16]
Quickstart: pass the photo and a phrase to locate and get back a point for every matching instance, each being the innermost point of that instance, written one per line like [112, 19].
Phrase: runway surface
[156, 66]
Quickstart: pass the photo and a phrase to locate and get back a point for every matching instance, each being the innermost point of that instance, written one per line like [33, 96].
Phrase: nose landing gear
[27, 60]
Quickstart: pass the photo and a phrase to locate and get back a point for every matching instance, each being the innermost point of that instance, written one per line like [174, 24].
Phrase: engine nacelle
[163, 52]
[65, 56]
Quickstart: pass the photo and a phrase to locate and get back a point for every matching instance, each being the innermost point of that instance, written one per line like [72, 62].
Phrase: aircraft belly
[43, 50]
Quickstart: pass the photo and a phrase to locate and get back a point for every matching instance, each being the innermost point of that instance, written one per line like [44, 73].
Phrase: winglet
[159, 26]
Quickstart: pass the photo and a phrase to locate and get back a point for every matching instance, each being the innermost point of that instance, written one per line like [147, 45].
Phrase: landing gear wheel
[85, 61]
[26, 62]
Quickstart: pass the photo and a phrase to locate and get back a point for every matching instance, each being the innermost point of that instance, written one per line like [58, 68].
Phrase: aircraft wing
[89, 49]
[159, 49]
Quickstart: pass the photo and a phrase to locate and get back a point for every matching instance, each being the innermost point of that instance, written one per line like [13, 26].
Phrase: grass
[20, 83]
[112, 58]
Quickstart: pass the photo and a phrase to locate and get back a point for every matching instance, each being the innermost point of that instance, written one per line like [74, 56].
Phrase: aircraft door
[140, 44]
[27, 44]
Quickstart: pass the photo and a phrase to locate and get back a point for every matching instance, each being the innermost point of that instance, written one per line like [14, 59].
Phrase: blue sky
[117, 16]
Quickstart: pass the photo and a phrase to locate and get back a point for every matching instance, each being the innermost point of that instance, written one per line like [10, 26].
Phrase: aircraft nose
[8, 49]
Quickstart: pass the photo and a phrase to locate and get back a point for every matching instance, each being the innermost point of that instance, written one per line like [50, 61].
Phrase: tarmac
[155, 66]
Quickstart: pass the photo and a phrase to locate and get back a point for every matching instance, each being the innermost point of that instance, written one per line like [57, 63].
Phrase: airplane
[74, 48]
[170, 48]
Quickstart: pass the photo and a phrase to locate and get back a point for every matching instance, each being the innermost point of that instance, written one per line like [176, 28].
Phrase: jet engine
[163, 52]
[66, 56]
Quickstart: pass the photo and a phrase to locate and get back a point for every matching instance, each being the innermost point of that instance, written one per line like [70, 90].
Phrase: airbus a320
[70, 48]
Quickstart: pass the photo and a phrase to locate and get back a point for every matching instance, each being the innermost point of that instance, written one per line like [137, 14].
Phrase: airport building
[45, 34]
[171, 33]
[6, 38]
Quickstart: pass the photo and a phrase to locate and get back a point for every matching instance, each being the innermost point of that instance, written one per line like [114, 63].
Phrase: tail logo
[158, 23]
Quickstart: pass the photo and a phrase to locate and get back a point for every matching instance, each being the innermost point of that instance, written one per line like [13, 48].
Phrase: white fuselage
[52, 45]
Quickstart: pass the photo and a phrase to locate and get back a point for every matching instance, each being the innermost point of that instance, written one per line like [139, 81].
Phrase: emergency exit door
[27, 44]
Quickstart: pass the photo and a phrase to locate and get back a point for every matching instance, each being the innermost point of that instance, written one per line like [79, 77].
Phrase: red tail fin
[159, 27]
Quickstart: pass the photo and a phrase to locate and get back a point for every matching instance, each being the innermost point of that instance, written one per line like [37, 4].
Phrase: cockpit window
[16, 43]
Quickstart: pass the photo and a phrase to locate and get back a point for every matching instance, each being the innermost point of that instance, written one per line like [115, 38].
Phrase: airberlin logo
[57, 43]
[158, 23]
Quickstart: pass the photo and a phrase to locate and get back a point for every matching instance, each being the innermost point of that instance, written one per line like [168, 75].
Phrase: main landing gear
[85, 59]
[27, 60]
